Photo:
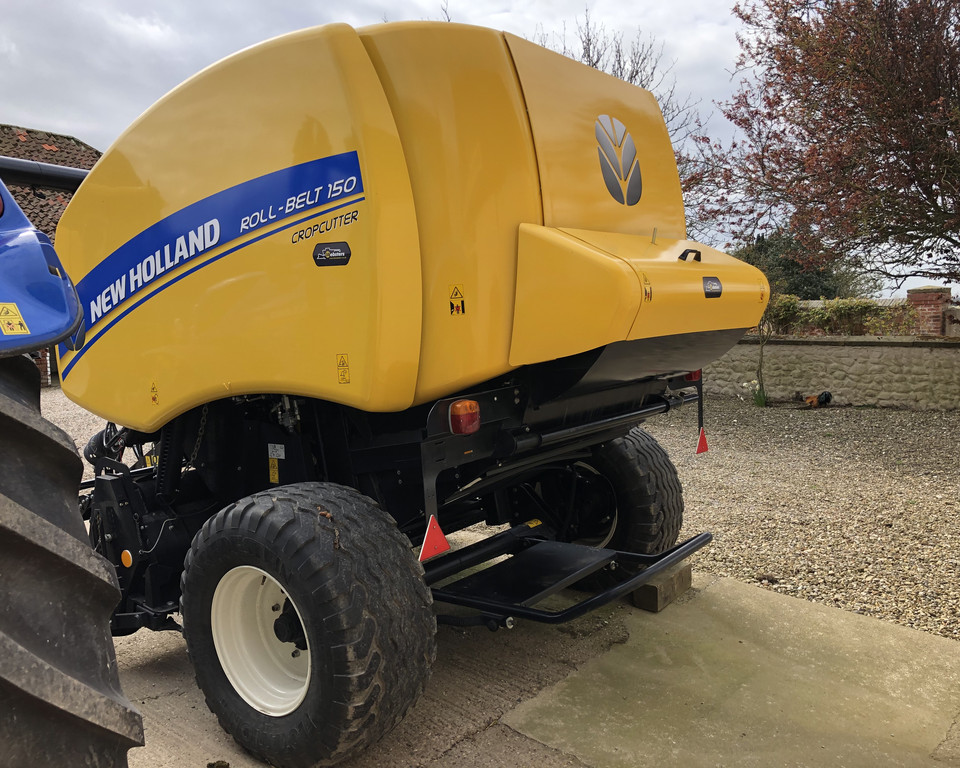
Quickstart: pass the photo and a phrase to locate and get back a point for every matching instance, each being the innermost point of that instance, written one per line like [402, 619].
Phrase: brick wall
[42, 359]
[930, 304]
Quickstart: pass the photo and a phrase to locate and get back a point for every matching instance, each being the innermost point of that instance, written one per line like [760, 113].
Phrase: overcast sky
[89, 68]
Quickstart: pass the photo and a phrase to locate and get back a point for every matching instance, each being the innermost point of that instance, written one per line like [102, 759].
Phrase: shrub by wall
[840, 317]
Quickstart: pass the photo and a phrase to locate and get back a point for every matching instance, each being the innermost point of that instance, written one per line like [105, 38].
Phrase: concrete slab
[477, 678]
[499, 746]
[730, 675]
[739, 676]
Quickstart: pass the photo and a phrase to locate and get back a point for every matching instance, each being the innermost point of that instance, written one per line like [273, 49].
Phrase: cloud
[141, 31]
[9, 51]
[88, 69]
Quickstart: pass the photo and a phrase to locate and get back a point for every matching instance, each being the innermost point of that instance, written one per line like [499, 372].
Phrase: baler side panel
[567, 102]
[705, 291]
[580, 290]
[286, 146]
[463, 125]
[570, 297]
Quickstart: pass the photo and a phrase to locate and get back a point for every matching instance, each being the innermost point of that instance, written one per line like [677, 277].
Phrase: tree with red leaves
[849, 115]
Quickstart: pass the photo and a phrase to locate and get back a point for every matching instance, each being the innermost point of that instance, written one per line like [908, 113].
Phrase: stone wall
[900, 373]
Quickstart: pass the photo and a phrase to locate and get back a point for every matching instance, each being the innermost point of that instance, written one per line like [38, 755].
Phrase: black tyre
[648, 491]
[60, 697]
[626, 496]
[308, 622]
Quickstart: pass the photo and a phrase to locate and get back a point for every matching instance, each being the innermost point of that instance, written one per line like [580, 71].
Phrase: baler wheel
[60, 697]
[308, 622]
[626, 496]
[633, 464]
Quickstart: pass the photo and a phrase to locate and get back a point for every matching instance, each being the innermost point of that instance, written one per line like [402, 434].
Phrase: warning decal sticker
[11, 322]
[458, 303]
[343, 369]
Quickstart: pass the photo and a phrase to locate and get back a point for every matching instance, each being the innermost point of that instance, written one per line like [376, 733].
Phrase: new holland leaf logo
[618, 160]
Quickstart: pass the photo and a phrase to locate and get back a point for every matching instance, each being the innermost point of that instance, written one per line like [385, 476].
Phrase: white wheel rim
[270, 675]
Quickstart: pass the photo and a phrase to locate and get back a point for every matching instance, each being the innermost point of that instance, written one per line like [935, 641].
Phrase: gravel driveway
[853, 507]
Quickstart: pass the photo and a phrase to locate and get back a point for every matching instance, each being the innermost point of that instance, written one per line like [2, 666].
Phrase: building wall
[900, 373]
[931, 304]
[42, 359]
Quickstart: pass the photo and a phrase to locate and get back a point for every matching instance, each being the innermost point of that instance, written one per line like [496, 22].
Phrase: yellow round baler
[347, 290]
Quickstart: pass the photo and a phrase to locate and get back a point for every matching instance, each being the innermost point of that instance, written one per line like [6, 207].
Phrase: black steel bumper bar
[509, 541]
[557, 436]
[655, 564]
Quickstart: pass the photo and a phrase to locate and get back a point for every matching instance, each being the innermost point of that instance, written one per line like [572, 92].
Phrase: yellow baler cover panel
[688, 287]
[463, 124]
[254, 231]
[579, 290]
[379, 218]
[604, 155]
[571, 297]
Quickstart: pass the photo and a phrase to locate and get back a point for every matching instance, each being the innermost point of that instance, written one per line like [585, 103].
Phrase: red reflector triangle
[434, 542]
[702, 442]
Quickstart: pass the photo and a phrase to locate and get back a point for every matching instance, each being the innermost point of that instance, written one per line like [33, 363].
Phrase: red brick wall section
[929, 303]
[42, 359]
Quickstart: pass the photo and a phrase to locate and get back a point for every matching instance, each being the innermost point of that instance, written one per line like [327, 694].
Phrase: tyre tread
[378, 624]
[649, 491]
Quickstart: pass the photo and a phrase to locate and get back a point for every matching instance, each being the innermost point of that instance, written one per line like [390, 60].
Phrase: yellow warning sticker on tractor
[343, 369]
[274, 470]
[11, 322]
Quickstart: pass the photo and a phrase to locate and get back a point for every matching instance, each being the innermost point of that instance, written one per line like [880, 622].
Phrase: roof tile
[44, 206]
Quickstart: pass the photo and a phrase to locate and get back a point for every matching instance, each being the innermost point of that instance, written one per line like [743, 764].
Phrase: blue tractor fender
[38, 302]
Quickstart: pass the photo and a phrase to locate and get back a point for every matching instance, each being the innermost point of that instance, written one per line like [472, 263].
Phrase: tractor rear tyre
[60, 697]
[308, 622]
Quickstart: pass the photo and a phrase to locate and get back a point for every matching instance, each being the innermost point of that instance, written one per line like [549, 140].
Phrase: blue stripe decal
[211, 223]
[117, 318]
[207, 224]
